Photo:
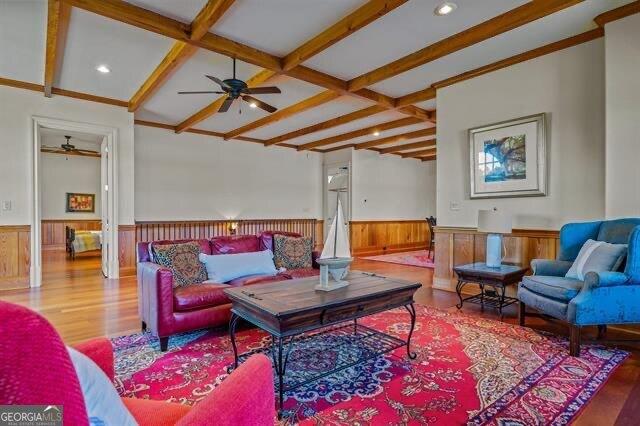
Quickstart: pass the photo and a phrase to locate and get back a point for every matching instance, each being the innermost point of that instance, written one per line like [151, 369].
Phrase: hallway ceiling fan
[237, 89]
[68, 148]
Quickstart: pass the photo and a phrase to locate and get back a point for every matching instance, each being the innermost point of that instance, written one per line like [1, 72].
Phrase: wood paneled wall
[150, 231]
[388, 236]
[457, 246]
[53, 231]
[127, 250]
[15, 256]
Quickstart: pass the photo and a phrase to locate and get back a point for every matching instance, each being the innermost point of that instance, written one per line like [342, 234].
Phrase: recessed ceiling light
[445, 8]
[376, 133]
[103, 69]
[253, 105]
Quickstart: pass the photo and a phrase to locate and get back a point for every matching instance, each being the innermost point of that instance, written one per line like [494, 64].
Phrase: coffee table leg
[279, 366]
[233, 323]
[412, 312]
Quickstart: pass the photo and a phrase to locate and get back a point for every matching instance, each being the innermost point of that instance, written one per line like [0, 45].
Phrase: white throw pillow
[226, 267]
[104, 406]
[597, 256]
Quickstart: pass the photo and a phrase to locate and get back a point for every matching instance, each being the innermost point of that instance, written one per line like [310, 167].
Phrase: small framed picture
[81, 203]
[508, 159]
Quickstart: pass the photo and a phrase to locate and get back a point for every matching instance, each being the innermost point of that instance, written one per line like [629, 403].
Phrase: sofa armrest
[315, 255]
[553, 268]
[99, 351]
[155, 288]
[593, 280]
[246, 397]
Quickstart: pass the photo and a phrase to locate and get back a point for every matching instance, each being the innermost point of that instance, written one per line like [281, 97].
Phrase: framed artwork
[81, 203]
[508, 159]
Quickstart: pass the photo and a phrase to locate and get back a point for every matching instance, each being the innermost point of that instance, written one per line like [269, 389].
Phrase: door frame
[110, 135]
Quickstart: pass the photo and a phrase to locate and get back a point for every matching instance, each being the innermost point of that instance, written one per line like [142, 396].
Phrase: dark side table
[497, 278]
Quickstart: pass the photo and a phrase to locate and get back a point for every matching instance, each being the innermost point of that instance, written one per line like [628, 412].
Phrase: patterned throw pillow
[292, 252]
[182, 260]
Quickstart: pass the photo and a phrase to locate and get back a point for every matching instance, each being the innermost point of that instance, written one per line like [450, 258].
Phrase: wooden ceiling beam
[312, 102]
[419, 96]
[407, 121]
[421, 153]
[397, 138]
[180, 52]
[428, 158]
[334, 122]
[618, 13]
[399, 148]
[57, 27]
[500, 24]
[351, 23]
[142, 18]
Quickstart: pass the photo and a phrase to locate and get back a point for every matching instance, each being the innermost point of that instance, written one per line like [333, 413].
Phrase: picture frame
[80, 203]
[508, 159]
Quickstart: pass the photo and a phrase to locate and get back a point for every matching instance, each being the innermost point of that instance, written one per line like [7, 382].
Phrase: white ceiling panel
[181, 10]
[407, 142]
[410, 27]
[372, 120]
[555, 27]
[428, 105]
[23, 27]
[280, 26]
[386, 133]
[131, 54]
[341, 106]
[368, 139]
[293, 91]
[167, 106]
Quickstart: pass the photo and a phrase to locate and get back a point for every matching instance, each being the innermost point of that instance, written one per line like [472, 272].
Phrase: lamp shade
[494, 222]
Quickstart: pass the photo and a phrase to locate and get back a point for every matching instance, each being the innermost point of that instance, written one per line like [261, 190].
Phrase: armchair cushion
[617, 231]
[597, 256]
[100, 351]
[198, 296]
[148, 412]
[558, 288]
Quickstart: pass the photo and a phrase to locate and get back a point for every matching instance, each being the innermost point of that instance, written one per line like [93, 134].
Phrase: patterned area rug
[419, 258]
[469, 370]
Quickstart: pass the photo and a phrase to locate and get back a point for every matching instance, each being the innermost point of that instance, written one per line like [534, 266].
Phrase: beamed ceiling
[346, 68]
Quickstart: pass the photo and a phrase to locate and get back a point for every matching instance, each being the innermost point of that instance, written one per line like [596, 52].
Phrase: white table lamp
[495, 224]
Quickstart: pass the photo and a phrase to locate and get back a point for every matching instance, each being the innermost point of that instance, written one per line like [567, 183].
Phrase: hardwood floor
[81, 304]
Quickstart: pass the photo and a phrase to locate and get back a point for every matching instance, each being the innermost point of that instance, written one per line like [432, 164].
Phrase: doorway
[74, 201]
[337, 183]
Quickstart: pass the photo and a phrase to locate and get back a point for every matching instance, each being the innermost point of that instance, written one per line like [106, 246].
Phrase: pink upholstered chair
[35, 368]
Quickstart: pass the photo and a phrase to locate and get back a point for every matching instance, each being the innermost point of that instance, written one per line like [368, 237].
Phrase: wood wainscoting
[127, 249]
[15, 256]
[53, 231]
[457, 246]
[372, 237]
[178, 230]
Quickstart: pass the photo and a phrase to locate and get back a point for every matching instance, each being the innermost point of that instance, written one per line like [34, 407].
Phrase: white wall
[17, 106]
[388, 187]
[569, 86]
[68, 173]
[196, 177]
[622, 42]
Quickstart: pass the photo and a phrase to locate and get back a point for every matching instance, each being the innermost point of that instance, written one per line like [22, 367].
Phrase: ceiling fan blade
[226, 105]
[259, 103]
[220, 82]
[261, 90]
[202, 91]
[86, 151]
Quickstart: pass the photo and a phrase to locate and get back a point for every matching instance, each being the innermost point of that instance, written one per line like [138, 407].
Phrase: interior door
[104, 204]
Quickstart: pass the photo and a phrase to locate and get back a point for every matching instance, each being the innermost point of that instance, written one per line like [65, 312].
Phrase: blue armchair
[602, 298]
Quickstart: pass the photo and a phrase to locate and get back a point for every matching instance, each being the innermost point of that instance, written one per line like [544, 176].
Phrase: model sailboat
[336, 257]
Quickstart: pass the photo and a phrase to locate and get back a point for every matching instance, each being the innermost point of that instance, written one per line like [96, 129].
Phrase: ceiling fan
[67, 147]
[235, 88]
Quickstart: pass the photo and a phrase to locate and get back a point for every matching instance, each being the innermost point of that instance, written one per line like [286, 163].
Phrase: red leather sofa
[167, 311]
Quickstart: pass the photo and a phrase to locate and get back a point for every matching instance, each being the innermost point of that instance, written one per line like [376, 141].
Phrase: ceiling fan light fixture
[376, 133]
[253, 105]
[103, 69]
[445, 8]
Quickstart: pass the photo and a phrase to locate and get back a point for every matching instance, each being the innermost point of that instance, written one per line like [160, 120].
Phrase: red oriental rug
[420, 258]
[469, 370]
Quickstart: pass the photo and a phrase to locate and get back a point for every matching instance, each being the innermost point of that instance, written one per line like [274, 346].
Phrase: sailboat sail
[337, 242]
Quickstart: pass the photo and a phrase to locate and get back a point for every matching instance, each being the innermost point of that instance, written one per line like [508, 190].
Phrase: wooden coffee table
[294, 313]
